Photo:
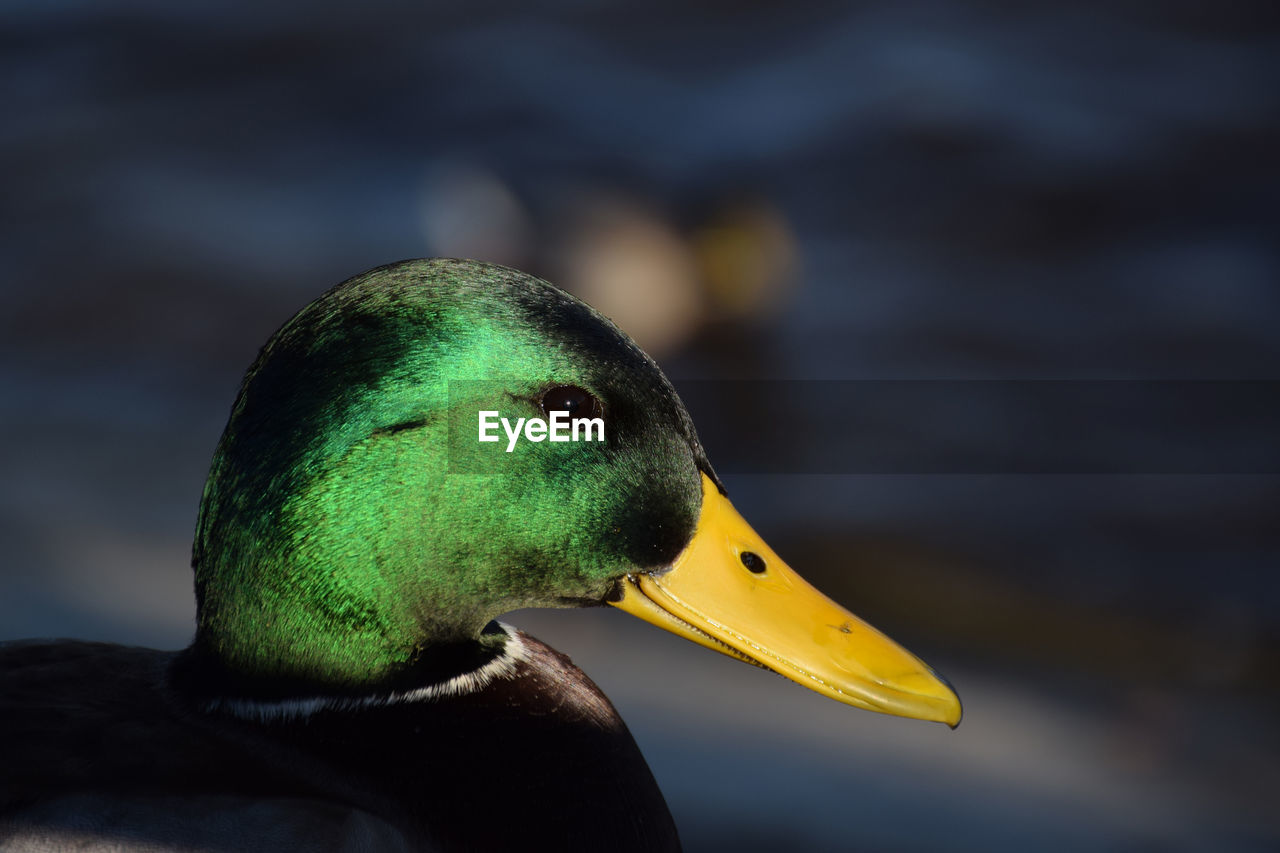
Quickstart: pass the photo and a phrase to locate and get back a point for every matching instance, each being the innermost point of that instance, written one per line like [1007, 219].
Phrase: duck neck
[354, 628]
[205, 679]
[343, 582]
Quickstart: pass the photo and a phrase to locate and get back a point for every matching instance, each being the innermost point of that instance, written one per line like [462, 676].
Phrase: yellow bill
[730, 592]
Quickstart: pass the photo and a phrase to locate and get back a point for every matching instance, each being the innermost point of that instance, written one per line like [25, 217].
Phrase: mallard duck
[349, 686]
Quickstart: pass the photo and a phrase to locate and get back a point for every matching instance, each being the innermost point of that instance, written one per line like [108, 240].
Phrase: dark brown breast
[539, 759]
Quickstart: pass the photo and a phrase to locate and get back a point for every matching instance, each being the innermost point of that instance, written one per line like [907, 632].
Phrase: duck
[350, 685]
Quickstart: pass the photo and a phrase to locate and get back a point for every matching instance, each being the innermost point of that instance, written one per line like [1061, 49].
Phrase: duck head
[355, 532]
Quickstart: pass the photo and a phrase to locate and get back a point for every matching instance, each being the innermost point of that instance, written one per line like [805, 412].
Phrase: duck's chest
[541, 756]
[537, 760]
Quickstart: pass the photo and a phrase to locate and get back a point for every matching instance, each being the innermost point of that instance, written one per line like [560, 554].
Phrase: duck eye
[753, 561]
[578, 402]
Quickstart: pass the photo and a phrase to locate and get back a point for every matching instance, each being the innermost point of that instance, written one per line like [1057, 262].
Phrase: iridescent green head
[345, 531]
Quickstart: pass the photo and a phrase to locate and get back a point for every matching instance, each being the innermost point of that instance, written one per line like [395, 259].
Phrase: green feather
[352, 523]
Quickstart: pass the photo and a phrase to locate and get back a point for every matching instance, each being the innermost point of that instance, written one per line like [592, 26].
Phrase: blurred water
[1078, 191]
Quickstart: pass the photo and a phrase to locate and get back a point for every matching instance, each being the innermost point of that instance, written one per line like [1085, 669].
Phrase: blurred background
[791, 207]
